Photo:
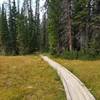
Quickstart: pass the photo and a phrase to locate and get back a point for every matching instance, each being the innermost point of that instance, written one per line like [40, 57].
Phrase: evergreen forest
[67, 27]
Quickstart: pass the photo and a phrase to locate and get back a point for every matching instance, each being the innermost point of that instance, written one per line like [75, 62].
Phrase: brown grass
[28, 78]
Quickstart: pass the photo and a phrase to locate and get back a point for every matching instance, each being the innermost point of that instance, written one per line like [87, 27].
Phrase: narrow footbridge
[74, 88]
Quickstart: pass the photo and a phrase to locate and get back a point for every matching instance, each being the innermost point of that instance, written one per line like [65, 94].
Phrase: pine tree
[4, 33]
[44, 34]
[31, 28]
[12, 28]
[0, 30]
[94, 36]
[21, 31]
[79, 22]
[53, 24]
[37, 23]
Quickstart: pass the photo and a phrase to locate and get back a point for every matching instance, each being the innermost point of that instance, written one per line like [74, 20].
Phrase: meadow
[28, 78]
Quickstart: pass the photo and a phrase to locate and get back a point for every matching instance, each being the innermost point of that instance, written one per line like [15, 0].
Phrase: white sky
[41, 4]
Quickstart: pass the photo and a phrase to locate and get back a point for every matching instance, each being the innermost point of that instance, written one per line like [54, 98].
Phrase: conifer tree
[0, 29]
[53, 24]
[4, 33]
[44, 33]
[31, 28]
[37, 23]
[12, 27]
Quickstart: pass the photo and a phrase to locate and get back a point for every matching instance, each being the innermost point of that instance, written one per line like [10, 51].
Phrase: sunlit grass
[87, 71]
[28, 78]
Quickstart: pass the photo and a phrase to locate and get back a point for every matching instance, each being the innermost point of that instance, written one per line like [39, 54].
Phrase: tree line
[66, 26]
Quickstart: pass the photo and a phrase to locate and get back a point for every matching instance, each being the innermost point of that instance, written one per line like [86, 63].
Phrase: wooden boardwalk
[74, 88]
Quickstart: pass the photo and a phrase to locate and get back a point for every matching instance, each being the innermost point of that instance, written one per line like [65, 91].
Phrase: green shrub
[90, 55]
[70, 54]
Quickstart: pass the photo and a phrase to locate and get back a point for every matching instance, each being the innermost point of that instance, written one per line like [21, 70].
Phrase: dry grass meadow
[28, 78]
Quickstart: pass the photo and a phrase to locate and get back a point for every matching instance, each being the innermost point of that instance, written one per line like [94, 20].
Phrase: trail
[74, 88]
